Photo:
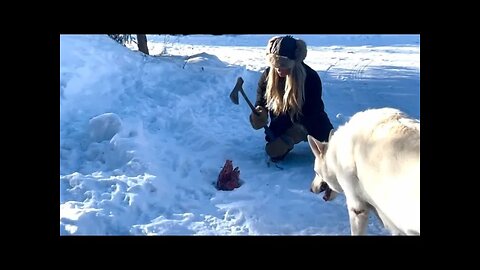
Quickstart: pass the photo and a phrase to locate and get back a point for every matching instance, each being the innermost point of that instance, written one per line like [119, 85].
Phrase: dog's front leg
[358, 221]
[358, 213]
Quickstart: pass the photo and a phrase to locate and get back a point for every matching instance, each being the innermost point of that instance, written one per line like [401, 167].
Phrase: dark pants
[279, 147]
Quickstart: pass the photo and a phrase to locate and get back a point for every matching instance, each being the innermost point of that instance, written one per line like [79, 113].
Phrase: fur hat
[286, 51]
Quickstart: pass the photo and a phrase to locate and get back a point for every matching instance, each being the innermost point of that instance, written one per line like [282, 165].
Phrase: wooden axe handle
[248, 101]
[239, 88]
[268, 131]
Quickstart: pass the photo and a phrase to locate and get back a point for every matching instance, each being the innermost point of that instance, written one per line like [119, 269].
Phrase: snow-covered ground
[143, 138]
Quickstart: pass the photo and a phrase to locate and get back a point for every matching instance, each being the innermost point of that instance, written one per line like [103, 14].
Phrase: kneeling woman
[290, 92]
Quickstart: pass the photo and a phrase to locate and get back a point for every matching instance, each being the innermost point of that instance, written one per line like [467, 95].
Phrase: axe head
[236, 89]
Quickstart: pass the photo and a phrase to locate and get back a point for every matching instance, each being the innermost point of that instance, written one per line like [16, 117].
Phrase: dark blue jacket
[313, 117]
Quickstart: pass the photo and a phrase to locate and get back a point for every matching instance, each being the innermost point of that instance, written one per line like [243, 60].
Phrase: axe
[234, 97]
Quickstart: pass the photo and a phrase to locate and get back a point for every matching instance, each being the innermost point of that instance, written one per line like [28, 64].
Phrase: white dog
[374, 159]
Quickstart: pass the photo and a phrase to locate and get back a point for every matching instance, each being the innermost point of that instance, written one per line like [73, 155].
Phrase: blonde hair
[287, 97]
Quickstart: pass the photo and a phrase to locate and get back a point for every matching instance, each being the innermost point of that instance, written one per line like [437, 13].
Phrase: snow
[143, 138]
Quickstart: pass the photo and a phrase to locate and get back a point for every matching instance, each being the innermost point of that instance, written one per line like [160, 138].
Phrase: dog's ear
[330, 135]
[318, 148]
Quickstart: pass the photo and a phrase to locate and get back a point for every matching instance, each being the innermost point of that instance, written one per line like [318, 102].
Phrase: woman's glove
[260, 120]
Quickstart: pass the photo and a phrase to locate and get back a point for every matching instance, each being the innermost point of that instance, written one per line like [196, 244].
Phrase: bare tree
[121, 38]
[142, 43]
[124, 38]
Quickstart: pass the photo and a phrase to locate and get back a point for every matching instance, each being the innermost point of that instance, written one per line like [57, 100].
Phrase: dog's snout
[314, 189]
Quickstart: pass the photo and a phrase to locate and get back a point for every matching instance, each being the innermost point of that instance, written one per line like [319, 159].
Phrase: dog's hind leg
[386, 222]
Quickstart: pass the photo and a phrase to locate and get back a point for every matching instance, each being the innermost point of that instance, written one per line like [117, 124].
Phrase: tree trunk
[142, 43]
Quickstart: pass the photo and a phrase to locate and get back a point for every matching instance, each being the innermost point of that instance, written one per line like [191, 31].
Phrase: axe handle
[248, 101]
[268, 131]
